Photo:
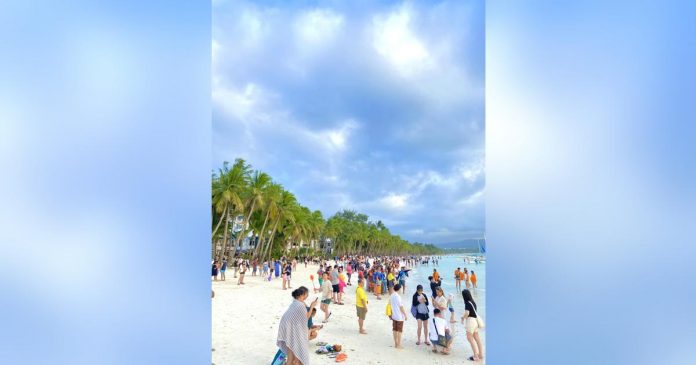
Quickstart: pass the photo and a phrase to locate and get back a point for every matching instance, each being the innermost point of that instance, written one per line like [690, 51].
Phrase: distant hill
[468, 244]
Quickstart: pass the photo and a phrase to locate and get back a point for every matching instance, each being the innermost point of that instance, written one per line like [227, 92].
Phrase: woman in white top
[326, 292]
[440, 301]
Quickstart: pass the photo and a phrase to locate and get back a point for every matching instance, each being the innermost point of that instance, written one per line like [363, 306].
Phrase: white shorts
[471, 325]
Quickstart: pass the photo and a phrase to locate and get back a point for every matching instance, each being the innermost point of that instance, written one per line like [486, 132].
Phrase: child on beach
[451, 308]
[242, 271]
[341, 284]
[313, 328]
[326, 292]
[349, 271]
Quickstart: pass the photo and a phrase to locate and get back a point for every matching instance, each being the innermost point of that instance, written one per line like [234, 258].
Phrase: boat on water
[475, 259]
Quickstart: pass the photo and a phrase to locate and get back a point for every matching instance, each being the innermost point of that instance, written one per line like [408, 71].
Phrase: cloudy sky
[371, 106]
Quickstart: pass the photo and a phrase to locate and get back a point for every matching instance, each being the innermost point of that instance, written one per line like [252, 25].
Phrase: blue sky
[371, 106]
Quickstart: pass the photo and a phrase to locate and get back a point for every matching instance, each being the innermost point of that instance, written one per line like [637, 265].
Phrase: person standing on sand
[349, 271]
[341, 284]
[215, 270]
[288, 274]
[223, 268]
[466, 279]
[242, 271]
[420, 301]
[398, 316]
[472, 327]
[361, 304]
[378, 284]
[402, 279]
[472, 277]
[326, 290]
[293, 334]
[334, 284]
[320, 274]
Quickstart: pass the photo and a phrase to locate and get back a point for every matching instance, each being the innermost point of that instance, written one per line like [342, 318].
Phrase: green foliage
[286, 227]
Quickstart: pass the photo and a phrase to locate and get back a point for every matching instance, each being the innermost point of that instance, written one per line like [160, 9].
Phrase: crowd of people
[380, 277]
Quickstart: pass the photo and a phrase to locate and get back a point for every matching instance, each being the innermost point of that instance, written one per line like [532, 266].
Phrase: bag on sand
[441, 340]
[279, 358]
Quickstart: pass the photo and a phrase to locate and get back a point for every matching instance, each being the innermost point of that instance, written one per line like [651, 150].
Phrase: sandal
[471, 358]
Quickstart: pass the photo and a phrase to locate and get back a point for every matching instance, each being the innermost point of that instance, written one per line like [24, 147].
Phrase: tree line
[280, 224]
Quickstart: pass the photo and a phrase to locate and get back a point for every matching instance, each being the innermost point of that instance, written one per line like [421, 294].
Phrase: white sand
[245, 325]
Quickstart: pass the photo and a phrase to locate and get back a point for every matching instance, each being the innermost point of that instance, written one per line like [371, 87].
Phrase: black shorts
[422, 316]
[335, 288]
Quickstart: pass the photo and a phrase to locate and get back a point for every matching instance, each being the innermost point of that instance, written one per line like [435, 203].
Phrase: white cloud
[395, 201]
[475, 198]
[252, 28]
[416, 231]
[398, 44]
[317, 27]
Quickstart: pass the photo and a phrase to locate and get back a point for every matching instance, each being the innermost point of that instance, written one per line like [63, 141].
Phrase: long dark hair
[466, 294]
[299, 292]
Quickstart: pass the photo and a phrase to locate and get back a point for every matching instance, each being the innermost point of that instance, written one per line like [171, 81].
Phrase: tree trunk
[242, 233]
[224, 239]
[270, 241]
[224, 214]
[263, 231]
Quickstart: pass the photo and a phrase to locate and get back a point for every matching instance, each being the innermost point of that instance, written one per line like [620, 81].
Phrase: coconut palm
[254, 194]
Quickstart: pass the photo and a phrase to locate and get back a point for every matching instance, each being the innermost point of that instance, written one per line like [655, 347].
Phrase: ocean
[446, 267]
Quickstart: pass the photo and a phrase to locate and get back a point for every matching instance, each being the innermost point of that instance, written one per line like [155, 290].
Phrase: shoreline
[245, 323]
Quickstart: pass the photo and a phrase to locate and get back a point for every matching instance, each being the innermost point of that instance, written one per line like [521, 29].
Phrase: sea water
[446, 267]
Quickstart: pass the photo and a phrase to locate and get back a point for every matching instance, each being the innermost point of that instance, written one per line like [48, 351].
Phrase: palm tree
[254, 195]
[228, 186]
[275, 216]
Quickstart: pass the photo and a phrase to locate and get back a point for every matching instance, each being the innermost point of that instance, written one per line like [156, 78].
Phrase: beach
[245, 322]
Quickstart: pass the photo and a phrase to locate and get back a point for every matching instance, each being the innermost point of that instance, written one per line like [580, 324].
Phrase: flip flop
[341, 357]
[471, 358]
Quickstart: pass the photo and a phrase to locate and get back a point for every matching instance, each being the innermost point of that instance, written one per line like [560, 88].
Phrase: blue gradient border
[105, 155]
[105, 160]
[590, 182]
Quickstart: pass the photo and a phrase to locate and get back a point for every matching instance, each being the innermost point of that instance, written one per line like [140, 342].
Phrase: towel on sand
[293, 333]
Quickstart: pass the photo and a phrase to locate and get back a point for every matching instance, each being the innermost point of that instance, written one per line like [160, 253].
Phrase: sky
[372, 106]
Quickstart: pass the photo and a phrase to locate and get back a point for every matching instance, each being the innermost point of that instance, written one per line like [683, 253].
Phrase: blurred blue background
[591, 140]
[104, 195]
[105, 155]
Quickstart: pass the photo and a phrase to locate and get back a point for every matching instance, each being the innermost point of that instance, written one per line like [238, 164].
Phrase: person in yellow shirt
[361, 304]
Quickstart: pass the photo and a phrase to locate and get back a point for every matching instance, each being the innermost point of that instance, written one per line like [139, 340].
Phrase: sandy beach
[245, 324]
